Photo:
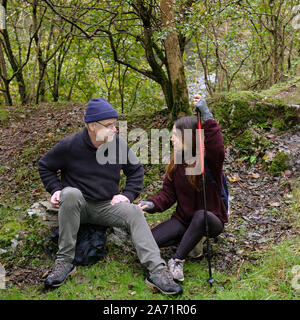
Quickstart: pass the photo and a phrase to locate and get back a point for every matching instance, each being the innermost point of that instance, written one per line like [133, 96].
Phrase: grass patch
[120, 276]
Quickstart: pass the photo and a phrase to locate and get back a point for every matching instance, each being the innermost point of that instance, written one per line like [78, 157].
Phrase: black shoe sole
[155, 287]
[70, 274]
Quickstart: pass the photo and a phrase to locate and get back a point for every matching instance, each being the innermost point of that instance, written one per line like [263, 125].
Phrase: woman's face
[176, 139]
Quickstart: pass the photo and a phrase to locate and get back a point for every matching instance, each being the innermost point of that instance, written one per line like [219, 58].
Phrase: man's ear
[91, 126]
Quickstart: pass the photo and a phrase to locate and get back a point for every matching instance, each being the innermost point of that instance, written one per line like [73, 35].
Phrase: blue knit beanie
[99, 109]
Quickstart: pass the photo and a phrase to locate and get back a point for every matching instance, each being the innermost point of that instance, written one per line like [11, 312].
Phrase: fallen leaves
[254, 175]
[235, 179]
[274, 204]
[268, 156]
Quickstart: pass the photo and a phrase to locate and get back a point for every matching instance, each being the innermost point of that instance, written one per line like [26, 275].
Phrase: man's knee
[70, 195]
[133, 213]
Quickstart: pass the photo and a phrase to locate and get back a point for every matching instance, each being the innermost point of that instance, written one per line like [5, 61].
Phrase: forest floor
[264, 216]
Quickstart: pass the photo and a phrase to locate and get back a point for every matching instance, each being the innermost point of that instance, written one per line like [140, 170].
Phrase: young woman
[187, 225]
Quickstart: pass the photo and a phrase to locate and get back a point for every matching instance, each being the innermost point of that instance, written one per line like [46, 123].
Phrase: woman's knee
[215, 225]
[198, 218]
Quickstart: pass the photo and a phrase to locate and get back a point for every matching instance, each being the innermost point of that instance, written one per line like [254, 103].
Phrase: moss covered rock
[279, 164]
[246, 141]
[9, 231]
[237, 111]
[251, 141]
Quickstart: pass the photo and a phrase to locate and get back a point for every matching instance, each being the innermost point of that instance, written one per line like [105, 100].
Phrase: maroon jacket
[189, 200]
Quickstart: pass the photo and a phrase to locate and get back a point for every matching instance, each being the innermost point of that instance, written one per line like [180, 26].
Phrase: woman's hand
[201, 105]
[146, 205]
[197, 97]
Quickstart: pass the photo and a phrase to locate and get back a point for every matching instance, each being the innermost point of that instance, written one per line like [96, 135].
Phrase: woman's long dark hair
[182, 124]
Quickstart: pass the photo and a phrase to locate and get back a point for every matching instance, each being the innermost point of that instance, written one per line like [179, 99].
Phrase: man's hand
[119, 198]
[55, 198]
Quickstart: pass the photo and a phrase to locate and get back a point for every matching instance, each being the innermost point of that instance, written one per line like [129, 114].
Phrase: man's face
[105, 130]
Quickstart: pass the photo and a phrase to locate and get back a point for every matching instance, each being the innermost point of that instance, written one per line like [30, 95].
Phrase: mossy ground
[120, 275]
[238, 111]
[279, 164]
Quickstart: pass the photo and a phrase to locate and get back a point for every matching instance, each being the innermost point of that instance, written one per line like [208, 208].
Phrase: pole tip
[211, 281]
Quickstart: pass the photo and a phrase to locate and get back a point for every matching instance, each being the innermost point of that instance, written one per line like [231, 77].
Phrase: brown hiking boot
[59, 274]
[163, 281]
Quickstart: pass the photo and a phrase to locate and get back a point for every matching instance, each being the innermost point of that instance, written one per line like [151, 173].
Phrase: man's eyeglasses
[109, 125]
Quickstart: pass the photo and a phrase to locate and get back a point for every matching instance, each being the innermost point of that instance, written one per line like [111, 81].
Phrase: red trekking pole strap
[200, 142]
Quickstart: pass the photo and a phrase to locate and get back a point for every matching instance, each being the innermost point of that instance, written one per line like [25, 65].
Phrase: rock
[288, 173]
[119, 237]
[46, 212]
[274, 204]
[48, 206]
[2, 251]
[3, 205]
[35, 209]
[262, 240]
[14, 243]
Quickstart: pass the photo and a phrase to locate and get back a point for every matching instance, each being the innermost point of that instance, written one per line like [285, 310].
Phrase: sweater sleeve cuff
[55, 189]
[209, 122]
[129, 195]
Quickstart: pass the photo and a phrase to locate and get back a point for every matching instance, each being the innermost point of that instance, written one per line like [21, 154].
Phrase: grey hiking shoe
[163, 281]
[176, 269]
[60, 273]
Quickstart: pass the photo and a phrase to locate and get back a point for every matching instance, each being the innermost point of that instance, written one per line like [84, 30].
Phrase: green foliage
[4, 113]
[240, 44]
[245, 142]
[25, 232]
[237, 51]
[233, 110]
[9, 230]
[279, 164]
[279, 124]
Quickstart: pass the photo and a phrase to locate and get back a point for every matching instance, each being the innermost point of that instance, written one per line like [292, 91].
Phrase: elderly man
[88, 192]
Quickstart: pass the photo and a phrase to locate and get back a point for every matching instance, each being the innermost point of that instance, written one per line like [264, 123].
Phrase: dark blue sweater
[75, 157]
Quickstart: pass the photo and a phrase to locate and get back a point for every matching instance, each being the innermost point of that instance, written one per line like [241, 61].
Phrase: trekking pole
[201, 147]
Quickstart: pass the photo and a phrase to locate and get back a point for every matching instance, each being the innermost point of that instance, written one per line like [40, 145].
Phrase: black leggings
[172, 232]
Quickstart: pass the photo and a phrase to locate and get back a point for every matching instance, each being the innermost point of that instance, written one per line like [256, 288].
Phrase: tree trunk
[175, 64]
[6, 82]
[40, 92]
[17, 69]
